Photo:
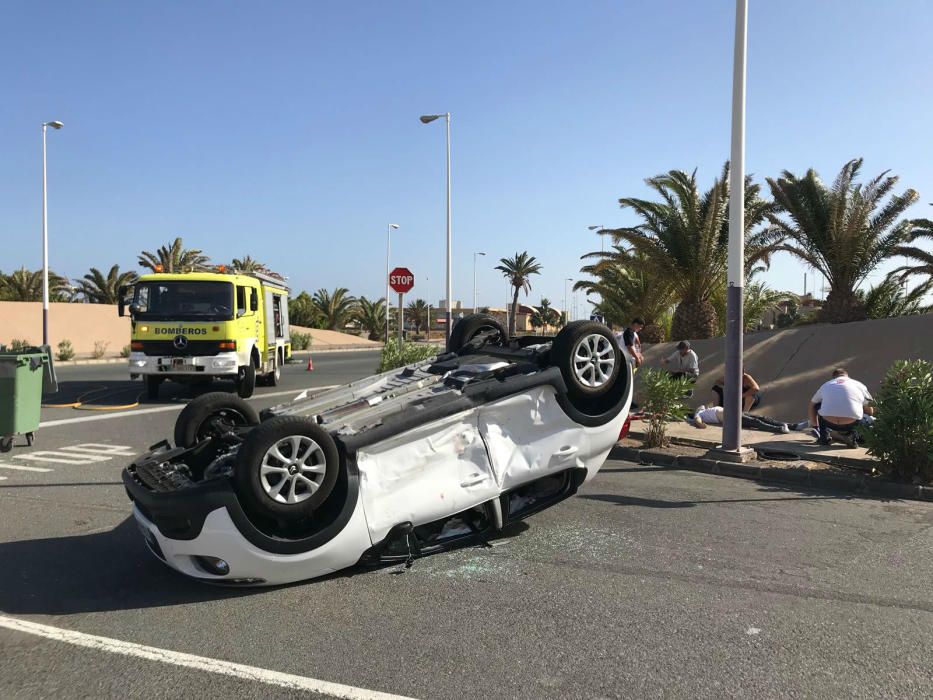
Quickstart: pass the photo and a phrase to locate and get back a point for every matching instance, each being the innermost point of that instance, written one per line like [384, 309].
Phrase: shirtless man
[751, 392]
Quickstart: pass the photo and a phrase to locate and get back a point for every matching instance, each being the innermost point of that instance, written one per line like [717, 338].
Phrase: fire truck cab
[193, 327]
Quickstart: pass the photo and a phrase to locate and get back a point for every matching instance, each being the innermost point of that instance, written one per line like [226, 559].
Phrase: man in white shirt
[839, 406]
[683, 361]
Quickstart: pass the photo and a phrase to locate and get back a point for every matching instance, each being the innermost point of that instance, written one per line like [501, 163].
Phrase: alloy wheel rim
[292, 469]
[594, 359]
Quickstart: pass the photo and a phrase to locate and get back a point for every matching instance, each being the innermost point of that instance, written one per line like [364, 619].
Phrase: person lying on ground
[751, 392]
[714, 416]
[839, 406]
[683, 362]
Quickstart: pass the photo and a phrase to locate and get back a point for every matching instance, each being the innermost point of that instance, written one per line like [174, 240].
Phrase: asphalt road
[649, 583]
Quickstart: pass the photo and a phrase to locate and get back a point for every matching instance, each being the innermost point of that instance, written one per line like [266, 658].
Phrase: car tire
[286, 468]
[588, 357]
[246, 381]
[211, 415]
[152, 386]
[470, 326]
[275, 376]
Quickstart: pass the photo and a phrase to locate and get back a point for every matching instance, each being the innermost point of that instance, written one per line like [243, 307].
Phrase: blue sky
[289, 130]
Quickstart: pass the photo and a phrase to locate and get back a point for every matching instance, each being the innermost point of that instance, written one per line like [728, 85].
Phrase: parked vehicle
[196, 326]
[440, 454]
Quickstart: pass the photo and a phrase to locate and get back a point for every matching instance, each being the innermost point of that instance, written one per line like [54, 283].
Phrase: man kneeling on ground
[683, 362]
[714, 416]
[839, 407]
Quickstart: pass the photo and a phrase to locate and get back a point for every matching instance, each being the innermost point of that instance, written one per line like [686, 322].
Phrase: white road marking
[98, 448]
[200, 663]
[24, 469]
[63, 457]
[163, 409]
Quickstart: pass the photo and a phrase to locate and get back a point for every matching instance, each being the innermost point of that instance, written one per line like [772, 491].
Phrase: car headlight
[138, 363]
[222, 363]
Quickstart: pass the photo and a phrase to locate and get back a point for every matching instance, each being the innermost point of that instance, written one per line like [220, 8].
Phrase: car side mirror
[121, 300]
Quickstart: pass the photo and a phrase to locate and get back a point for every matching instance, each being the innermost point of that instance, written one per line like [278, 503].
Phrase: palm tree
[26, 285]
[249, 264]
[335, 308]
[174, 258]
[544, 315]
[684, 238]
[845, 231]
[417, 311]
[627, 289]
[891, 298]
[371, 315]
[518, 270]
[758, 299]
[303, 312]
[98, 289]
[923, 259]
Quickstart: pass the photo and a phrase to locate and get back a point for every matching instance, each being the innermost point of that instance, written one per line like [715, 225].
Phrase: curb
[102, 361]
[335, 348]
[800, 476]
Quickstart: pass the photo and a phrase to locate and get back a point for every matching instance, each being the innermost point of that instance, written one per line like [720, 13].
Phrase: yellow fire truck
[196, 326]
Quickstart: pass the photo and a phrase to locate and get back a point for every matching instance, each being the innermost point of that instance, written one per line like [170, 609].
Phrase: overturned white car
[437, 455]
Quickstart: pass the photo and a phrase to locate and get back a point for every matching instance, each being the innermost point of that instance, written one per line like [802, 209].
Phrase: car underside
[436, 455]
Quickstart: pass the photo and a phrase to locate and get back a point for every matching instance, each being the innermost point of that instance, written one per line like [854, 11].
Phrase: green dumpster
[21, 381]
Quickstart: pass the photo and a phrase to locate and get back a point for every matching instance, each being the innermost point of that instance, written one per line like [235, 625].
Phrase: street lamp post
[45, 238]
[388, 248]
[427, 119]
[732, 391]
[474, 279]
[566, 310]
[602, 238]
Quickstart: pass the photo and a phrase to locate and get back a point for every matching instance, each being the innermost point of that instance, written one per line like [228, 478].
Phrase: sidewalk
[794, 460]
[801, 445]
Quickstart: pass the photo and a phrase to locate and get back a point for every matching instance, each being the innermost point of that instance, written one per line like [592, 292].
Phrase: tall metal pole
[732, 391]
[474, 278]
[389, 228]
[45, 249]
[449, 318]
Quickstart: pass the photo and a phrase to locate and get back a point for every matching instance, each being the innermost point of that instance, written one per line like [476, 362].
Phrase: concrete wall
[791, 364]
[82, 324]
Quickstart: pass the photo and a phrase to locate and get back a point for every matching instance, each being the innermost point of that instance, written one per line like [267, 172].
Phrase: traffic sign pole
[401, 321]
[401, 280]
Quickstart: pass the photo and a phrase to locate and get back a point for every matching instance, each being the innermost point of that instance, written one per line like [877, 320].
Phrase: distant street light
[566, 310]
[474, 279]
[427, 119]
[388, 248]
[602, 239]
[45, 238]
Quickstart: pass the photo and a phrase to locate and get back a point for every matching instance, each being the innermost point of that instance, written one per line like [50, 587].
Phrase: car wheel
[588, 357]
[286, 468]
[468, 327]
[212, 416]
[152, 386]
[246, 381]
[275, 376]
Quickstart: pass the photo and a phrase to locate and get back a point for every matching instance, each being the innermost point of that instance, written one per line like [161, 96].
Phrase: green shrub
[301, 341]
[65, 351]
[902, 434]
[125, 352]
[100, 349]
[409, 354]
[19, 345]
[662, 400]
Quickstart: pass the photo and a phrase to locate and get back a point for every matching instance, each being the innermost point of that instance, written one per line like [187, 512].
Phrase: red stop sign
[401, 279]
